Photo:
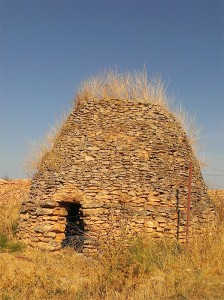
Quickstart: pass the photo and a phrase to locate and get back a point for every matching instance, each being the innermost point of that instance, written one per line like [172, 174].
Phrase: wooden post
[188, 203]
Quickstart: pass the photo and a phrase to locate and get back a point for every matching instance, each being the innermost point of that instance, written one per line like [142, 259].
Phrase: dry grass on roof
[127, 85]
[137, 86]
[42, 149]
[113, 85]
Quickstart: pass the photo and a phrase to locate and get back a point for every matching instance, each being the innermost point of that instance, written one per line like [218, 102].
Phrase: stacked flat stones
[127, 163]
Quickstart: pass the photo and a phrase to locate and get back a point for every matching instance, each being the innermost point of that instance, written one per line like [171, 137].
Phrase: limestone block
[152, 199]
[59, 237]
[48, 204]
[50, 218]
[45, 239]
[24, 217]
[42, 228]
[88, 158]
[160, 229]
[49, 234]
[139, 200]
[94, 212]
[44, 211]
[93, 148]
[173, 216]
[33, 238]
[101, 197]
[150, 224]
[58, 228]
[60, 211]
[149, 229]
[91, 204]
[161, 219]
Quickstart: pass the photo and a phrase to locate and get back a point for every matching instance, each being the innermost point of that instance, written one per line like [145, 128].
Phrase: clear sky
[49, 47]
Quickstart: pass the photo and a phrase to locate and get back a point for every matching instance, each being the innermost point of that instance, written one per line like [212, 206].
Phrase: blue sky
[49, 47]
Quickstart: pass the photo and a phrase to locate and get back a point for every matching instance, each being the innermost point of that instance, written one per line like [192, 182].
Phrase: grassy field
[144, 270]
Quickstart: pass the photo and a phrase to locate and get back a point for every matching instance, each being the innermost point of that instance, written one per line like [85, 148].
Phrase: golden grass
[128, 85]
[112, 85]
[145, 270]
[188, 123]
[41, 150]
[218, 199]
[11, 195]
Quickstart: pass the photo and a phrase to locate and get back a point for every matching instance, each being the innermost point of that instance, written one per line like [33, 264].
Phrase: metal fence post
[178, 215]
[188, 203]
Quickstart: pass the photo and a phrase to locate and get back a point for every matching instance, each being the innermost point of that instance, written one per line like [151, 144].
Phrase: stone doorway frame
[66, 197]
[75, 227]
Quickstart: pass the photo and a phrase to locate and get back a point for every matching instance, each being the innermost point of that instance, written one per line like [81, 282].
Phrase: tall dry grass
[12, 192]
[40, 150]
[115, 85]
[145, 269]
[128, 85]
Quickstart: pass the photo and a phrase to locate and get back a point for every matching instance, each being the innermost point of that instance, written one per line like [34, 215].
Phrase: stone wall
[127, 164]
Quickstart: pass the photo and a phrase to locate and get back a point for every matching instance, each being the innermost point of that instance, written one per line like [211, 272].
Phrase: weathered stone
[119, 166]
[151, 223]
[24, 217]
[59, 237]
[48, 204]
[42, 228]
[49, 234]
[60, 211]
[58, 228]
[44, 211]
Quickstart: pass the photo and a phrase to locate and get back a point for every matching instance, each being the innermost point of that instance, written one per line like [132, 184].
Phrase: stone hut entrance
[74, 230]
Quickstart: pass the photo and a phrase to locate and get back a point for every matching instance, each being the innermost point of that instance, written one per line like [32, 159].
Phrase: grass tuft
[110, 85]
[9, 246]
[128, 85]
[3, 241]
[41, 150]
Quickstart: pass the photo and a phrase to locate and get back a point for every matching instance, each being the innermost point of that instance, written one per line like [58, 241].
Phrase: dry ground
[146, 270]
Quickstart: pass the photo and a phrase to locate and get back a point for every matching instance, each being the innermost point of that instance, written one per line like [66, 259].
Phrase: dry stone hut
[118, 165]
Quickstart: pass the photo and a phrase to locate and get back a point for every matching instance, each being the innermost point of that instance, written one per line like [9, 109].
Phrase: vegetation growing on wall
[114, 85]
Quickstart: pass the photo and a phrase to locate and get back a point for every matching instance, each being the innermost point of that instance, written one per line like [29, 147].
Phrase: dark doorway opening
[74, 230]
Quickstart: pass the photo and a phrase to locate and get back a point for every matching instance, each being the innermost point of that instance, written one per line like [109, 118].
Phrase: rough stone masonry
[117, 167]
